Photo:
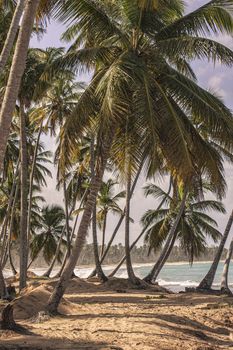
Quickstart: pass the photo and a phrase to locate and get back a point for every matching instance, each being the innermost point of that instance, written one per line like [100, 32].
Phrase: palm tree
[207, 281]
[76, 191]
[16, 73]
[13, 191]
[143, 231]
[27, 90]
[46, 240]
[24, 197]
[32, 9]
[98, 267]
[3, 289]
[11, 35]
[193, 225]
[106, 204]
[133, 52]
[224, 281]
[118, 225]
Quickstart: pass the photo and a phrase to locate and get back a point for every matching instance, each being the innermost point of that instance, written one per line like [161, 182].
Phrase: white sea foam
[187, 283]
[178, 277]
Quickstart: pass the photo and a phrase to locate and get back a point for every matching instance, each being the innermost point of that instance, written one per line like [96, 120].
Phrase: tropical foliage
[143, 108]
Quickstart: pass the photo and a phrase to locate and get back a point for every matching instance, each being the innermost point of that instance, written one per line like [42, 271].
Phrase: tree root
[7, 321]
[227, 291]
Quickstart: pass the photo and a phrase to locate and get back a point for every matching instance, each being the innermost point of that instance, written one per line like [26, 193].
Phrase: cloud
[216, 82]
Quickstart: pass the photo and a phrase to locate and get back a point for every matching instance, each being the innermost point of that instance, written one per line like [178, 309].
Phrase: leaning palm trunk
[124, 257]
[32, 179]
[71, 238]
[38, 252]
[224, 282]
[150, 278]
[4, 237]
[162, 260]
[93, 273]
[141, 234]
[11, 229]
[103, 234]
[4, 249]
[98, 266]
[83, 229]
[207, 281]
[66, 253]
[50, 269]
[129, 266]
[23, 201]
[11, 35]
[8, 216]
[3, 289]
[67, 219]
[16, 73]
[13, 269]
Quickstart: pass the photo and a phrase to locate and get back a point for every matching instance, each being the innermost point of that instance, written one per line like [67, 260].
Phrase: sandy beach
[115, 316]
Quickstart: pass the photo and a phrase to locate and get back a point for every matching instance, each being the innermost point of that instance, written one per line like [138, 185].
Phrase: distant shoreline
[151, 264]
[135, 265]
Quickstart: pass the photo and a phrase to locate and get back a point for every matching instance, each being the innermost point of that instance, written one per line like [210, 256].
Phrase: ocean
[174, 276]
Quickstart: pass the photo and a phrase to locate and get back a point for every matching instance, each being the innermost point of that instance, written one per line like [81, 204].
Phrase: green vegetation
[143, 113]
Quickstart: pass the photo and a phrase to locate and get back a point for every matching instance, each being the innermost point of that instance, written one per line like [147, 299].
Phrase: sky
[217, 78]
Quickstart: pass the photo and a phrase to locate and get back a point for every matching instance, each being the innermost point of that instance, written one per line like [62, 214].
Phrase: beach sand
[116, 317]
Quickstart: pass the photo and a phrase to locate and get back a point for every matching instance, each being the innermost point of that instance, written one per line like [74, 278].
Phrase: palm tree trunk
[168, 245]
[36, 255]
[16, 73]
[103, 234]
[11, 229]
[3, 289]
[163, 258]
[224, 282]
[129, 266]
[83, 227]
[13, 269]
[141, 234]
[10, 202]
[66, 253]
[98, 267]
[4, 248]
[124, 257]
[93, 273]
[11, 35]
[48, 272]
[32, 179]
[207, 281]
[23, 201]
[71, 238]
[67, 219]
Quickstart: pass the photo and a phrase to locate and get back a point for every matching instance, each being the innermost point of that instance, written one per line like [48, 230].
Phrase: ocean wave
[186, 283]
[177, 280]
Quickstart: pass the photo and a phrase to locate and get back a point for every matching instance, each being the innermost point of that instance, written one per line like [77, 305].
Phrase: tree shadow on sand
[177, 324]
[191, 328]
[38, 342]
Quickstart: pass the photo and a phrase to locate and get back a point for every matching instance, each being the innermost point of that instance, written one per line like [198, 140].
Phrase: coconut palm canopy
[140, 55]
[143, 113]
[194, 227]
